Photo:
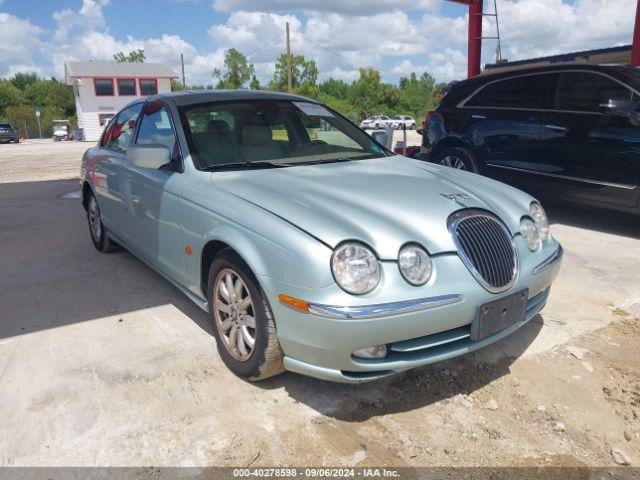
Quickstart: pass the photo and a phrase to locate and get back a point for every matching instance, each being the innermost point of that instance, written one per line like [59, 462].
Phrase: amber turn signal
[300, 305]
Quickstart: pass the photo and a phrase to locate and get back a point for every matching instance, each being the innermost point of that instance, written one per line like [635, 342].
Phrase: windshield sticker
[376, 149]
[313, 109]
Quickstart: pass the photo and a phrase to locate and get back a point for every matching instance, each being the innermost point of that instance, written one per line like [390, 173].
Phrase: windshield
[272, 132]
[397, 117]
[5, 125]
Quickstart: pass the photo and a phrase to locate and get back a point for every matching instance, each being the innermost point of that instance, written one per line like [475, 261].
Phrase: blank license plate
[499, 314]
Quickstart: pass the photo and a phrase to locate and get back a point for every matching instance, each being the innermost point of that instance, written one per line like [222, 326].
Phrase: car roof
[193, 97]
[490, 76]
[464, 87]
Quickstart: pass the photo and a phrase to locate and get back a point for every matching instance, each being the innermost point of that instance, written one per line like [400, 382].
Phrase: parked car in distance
[398, 121]
[313, 248]
[8, 133]
[375, 122]
[562, 131]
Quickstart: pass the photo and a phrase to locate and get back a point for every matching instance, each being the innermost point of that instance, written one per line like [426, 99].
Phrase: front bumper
[417, 331]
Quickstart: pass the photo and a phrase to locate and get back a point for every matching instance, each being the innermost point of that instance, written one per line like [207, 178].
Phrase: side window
[156, 127]
[123, 127]
[585, 92]
[529, 91]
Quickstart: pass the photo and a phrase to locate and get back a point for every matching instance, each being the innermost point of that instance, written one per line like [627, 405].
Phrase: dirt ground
[102, 362]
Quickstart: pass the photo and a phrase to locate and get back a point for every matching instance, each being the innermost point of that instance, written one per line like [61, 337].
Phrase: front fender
[269, 245]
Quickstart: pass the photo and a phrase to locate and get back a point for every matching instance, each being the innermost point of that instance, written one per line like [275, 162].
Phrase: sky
[395, 36]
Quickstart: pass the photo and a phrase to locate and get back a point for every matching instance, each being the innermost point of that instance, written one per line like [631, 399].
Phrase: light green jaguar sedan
[313, 248]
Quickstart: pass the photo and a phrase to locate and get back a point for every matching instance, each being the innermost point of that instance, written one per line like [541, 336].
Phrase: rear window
[528, 91]
[586, 92]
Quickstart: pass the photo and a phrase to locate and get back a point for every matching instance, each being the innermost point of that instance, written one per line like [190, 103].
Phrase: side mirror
[420, 131]
[152, 156]
[622, 108]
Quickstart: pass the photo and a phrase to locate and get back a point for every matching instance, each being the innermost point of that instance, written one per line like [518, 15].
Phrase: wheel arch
[227, 239]
[450, 141]
[86, 190]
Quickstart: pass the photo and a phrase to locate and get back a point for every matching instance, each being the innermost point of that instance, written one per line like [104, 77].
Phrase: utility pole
[288, 60]
[184, 84]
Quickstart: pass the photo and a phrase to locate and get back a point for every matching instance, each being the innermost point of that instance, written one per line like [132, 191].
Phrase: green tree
[52, 94]
[417, 95]
[134, 56]
[255, 83]
[304, 74]
[10, 96]
[24, 119]
[177, 86]
[237, 71]
[23, 80]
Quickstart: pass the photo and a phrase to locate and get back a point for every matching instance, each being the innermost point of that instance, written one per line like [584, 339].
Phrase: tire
[261, 360]
[377, 126]
[459, 158]
[98, 233]
[413, 126]
[16, 140]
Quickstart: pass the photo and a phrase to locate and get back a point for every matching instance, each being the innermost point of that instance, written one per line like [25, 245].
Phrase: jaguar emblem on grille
[456, 197]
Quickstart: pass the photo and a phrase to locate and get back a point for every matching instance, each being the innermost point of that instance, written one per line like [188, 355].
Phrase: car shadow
[52, 275]
[412, 389]
[593, 218]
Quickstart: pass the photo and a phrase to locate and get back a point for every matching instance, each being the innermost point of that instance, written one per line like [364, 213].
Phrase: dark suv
[570, 131]
[8, 133]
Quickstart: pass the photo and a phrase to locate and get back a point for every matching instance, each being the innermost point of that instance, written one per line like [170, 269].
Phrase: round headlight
[355, 268]
[540, 218]
[530, 233]
[415, 264]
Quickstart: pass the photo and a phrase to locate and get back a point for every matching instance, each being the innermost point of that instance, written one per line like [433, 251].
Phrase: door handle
[479, 117]
[557, 128]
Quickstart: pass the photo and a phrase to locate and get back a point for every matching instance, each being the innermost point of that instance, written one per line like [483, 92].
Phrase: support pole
[635, 48]
[184, 84]
[475, 38]
[289, 83]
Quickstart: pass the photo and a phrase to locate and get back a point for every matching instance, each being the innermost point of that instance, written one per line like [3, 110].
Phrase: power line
[263, 46]
[335, 52]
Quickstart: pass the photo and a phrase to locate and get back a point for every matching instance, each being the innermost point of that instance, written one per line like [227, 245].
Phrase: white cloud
[350, 7]
[89, 17]
[24, 68]
[339, 35]
[531, 28]
[446, 65]
[18, 39]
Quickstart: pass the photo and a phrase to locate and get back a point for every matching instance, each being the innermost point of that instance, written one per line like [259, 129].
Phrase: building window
[104, 87]
[148, 86]
[126, 86]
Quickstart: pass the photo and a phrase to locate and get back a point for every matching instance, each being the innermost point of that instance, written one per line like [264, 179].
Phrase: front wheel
[98, 233]
[243, 323]
[458, 158]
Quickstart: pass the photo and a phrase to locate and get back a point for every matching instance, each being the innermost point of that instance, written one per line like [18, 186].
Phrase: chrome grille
[485, 247]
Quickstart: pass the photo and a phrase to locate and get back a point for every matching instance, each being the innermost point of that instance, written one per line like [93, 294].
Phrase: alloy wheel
[95, 225]
[453, 162]
[234, 314]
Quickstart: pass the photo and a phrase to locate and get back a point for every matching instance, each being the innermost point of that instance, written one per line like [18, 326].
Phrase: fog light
[377, 351]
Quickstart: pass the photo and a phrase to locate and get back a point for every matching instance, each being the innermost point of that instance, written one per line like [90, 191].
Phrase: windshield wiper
[243, 166]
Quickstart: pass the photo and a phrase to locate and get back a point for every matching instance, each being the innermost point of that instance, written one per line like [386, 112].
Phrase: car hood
[384, 202]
